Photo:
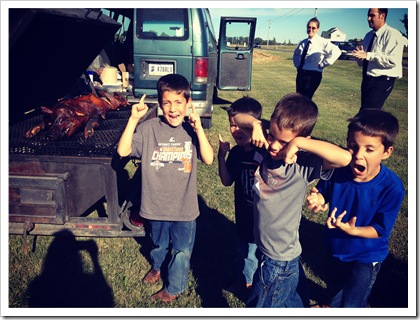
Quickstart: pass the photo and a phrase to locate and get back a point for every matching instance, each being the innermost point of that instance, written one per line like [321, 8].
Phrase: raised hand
[194, 119]
[258, 137]
[316, 201]
[224, 147]
[140, 109]
[288, 153]
[347, 227]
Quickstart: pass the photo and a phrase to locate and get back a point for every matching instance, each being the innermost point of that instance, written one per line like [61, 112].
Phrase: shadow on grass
[63, 282]
[312, 241]
[391, 286]
[390, 289]
[213, 259]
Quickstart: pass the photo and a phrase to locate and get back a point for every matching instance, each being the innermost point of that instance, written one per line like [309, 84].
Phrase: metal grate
[102, 143]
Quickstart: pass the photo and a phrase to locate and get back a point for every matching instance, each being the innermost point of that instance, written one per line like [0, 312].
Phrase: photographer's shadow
[63, 282]
[213, 259]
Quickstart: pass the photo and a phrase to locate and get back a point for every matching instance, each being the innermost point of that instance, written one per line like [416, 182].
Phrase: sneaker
[136, 220]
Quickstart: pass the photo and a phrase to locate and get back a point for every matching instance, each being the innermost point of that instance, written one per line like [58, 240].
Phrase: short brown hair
[173, 82]
[296, 113]
[245, 105]
[375, 123]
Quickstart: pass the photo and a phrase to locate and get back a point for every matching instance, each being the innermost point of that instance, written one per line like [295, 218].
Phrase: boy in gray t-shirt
[289, 162]
[168, 147]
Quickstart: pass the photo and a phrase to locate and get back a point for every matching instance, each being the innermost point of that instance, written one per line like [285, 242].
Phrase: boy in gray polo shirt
[289, 162]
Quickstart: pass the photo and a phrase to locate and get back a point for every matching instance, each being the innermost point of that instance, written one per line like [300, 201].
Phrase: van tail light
[201, 70]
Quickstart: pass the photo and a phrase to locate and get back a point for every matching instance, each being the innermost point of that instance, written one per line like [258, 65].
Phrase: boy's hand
[224, 147]
[140, 109]
[288, 153]
[194, 119]
[347, 227]
[258, 137]
[316, 201]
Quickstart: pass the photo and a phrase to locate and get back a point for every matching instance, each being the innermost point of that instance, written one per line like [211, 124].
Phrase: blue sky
[290, 22]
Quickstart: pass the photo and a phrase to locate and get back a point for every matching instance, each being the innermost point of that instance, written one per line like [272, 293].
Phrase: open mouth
[173, 117]
[273, 153]
[358, 169]
[238, 137]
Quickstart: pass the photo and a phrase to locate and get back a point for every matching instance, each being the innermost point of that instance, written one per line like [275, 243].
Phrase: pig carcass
[69, 116]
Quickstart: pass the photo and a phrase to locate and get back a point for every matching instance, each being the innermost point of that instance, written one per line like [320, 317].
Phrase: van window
[121, 34]
[210, 31]
[163, 24]
[237, 35]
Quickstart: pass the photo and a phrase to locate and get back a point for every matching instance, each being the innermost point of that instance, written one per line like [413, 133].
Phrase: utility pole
[315, 11]
[268, 35]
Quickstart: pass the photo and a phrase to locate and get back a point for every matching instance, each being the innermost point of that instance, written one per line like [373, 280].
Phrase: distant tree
[274, 41]
[404, 20]
[289, 43]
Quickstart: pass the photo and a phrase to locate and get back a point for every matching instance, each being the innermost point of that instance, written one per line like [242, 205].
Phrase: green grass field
[113, 279]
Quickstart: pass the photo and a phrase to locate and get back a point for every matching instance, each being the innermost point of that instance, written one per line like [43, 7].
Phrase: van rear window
[163, 24]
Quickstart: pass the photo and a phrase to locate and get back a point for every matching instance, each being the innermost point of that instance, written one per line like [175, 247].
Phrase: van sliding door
[236, 43]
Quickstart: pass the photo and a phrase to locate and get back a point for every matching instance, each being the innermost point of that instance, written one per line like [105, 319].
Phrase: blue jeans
[275, 284]
[350, 283]
[247, 262]
[182, 235]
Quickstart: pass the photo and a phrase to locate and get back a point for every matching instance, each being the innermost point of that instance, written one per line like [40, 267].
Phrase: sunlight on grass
[124, 261]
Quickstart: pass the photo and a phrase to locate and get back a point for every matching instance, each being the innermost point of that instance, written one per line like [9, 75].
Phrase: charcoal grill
[55, 185]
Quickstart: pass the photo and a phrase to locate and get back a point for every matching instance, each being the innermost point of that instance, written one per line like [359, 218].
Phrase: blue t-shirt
[376, 203]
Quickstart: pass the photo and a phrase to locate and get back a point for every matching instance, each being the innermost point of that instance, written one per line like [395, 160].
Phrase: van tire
[206, 123]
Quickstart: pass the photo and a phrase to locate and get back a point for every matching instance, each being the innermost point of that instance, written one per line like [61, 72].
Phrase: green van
[183, 41]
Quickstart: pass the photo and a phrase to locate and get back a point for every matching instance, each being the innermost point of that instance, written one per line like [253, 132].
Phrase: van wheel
[206, 123]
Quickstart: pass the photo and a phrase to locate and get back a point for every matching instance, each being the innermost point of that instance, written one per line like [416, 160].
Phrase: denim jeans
[275, 284]
[349, 284]
[247, 262]
[182, 235]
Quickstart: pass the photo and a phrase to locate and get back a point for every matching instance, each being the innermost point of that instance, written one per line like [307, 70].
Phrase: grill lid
[49, 49]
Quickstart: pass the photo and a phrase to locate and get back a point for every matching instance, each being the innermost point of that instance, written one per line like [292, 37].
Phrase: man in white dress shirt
[310, 58]
[381, 60]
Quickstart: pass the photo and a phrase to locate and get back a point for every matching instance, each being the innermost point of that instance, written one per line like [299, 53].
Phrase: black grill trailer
[57, 185]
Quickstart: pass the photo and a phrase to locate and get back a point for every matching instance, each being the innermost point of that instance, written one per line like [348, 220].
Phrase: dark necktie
[302, 58]
[365, 62]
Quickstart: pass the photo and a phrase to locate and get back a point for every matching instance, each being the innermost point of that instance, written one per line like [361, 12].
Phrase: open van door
[236, 44]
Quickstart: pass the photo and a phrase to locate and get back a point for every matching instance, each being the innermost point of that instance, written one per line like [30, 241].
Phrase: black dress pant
[375, 90]
[307, 82]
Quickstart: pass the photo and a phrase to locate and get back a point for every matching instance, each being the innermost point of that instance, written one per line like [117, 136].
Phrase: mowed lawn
[112, 277]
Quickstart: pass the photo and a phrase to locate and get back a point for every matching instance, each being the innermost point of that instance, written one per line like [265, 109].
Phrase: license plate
[160, 69]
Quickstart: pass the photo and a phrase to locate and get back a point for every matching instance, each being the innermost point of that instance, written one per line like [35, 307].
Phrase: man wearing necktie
[310, 58]
[381, 61]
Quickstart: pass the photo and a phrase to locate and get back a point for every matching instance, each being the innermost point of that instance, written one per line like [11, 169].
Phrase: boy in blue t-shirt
[368, 197]
[239, 168]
